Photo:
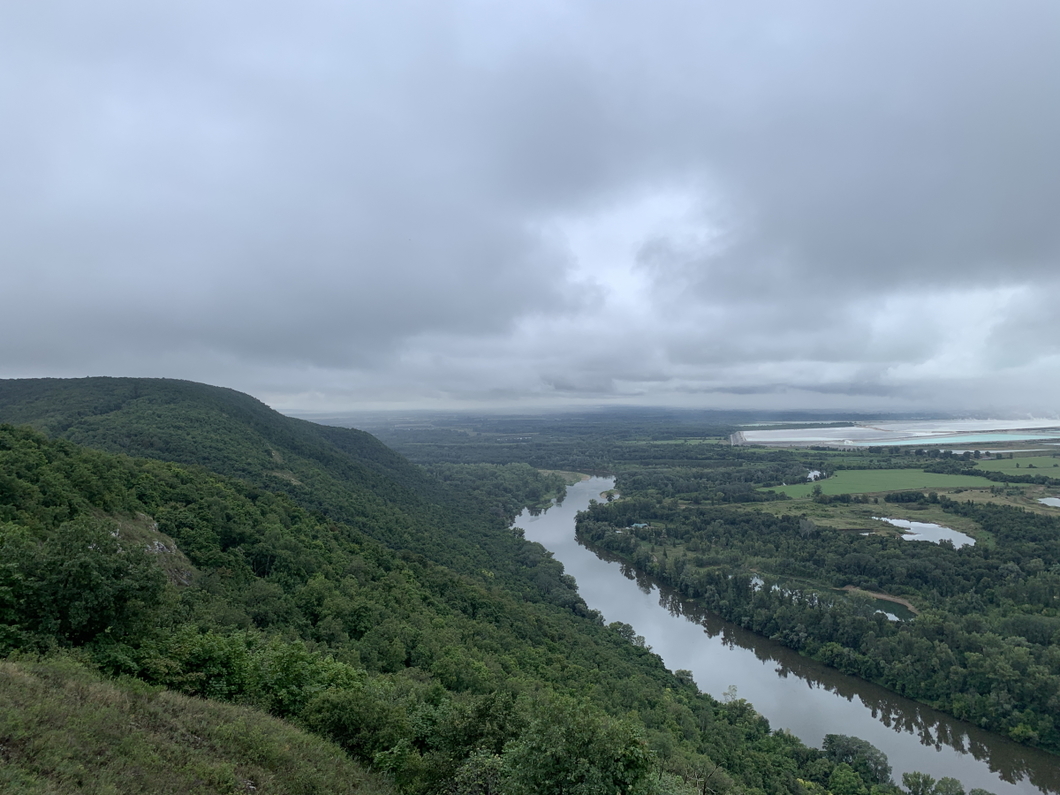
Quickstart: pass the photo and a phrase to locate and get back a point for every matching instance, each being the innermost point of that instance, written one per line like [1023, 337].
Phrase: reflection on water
[932, 728]
[791, 691]
[1052, 502]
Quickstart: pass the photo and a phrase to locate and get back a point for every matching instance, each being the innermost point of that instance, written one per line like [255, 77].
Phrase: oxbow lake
[791, 691]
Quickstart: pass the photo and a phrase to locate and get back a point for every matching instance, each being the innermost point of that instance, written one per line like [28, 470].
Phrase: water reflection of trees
[1010, 761]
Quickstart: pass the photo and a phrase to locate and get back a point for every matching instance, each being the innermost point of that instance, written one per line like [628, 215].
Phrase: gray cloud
[336, 206]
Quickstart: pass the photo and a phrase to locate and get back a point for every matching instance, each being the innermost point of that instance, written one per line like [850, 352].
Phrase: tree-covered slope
[346, 474]
[426, 674]
[412, 668]
[420, 634]
[221, 429]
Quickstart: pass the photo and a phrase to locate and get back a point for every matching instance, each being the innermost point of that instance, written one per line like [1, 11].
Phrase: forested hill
[311, 573]
[221, 429]
[443, 683]
[348, 475]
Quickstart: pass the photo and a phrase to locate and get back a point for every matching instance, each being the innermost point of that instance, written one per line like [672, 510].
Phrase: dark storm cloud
[418, 201]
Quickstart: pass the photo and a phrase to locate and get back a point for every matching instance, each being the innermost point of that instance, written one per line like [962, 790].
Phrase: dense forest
[188, 540]
[984, 646]
[717, 523]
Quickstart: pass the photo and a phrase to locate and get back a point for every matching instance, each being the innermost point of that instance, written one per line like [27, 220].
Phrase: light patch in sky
[607, 245]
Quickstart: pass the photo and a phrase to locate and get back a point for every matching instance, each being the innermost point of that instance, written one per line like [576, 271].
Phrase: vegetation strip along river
[792, 692]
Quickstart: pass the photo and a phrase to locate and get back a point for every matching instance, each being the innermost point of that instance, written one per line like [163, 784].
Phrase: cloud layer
[403, 203]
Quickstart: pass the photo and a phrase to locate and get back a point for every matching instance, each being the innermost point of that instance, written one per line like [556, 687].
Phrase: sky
[427, 204]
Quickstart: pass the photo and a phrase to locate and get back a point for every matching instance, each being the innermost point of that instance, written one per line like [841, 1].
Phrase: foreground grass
[63, 729]
[878, 481]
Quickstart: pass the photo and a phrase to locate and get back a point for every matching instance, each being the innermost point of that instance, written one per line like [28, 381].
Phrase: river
[792, 692]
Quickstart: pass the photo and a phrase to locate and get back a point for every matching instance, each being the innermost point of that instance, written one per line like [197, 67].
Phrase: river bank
[792, 692]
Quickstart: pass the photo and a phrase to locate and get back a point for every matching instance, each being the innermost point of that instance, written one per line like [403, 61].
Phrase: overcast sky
[348, 205]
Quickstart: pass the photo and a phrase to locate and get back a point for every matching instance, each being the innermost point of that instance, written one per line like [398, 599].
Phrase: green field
[696, 440]
[1025, 466]
[870, 481]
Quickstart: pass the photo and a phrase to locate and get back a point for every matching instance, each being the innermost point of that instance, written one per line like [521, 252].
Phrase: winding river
[792, 692]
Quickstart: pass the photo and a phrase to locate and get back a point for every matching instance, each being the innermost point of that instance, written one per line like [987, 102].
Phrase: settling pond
[792, 692]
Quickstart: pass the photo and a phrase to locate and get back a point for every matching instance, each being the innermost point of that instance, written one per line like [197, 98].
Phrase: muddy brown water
[792, 692]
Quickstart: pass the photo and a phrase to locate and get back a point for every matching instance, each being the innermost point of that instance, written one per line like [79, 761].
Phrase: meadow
[874, 481]
[1019, 466]
[866, 518]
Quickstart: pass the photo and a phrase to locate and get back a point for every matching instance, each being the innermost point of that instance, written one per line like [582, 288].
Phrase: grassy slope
[65, 730]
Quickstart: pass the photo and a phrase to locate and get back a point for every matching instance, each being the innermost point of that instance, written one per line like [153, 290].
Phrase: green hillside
[420, 665]
[346, 474]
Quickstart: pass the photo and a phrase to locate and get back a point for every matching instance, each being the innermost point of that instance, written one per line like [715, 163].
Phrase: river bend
[791, 691]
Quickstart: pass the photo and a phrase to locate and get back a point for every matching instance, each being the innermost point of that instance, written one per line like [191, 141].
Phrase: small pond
[1052, 502]
[928, 531]
[893, 610]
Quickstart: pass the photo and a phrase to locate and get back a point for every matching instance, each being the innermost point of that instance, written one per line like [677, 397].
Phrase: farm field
[873, 481]
[861, 517]
[690, 440]
[1020, 466]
